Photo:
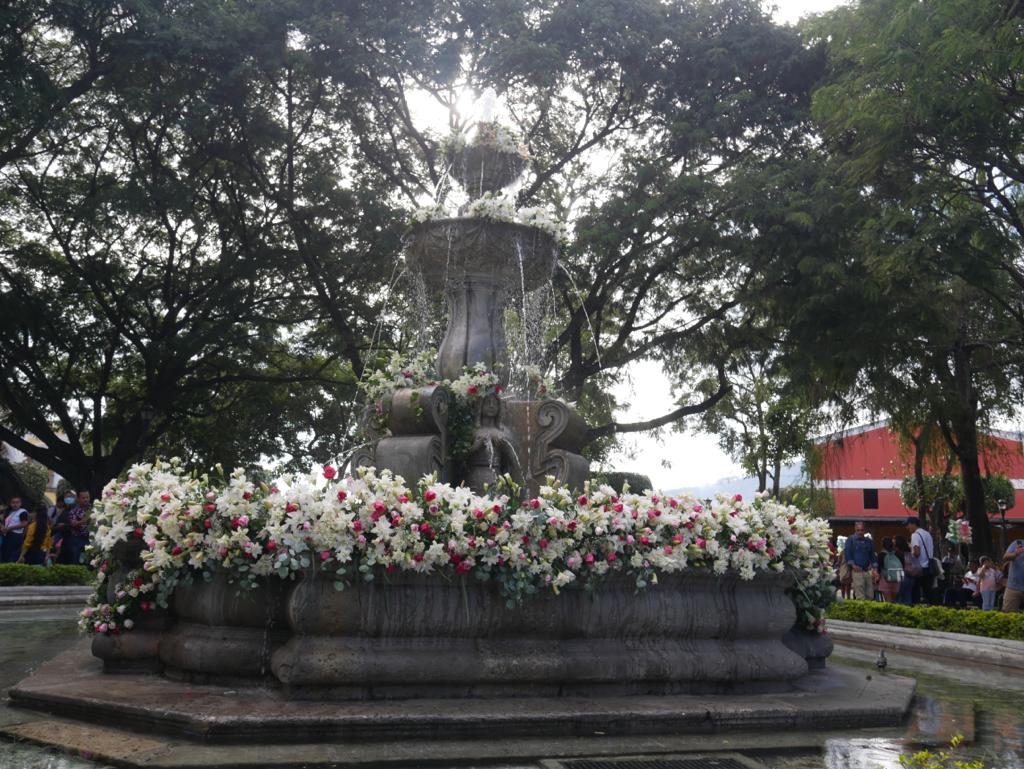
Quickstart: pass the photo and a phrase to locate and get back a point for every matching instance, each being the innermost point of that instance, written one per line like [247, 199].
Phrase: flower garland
[366, 526]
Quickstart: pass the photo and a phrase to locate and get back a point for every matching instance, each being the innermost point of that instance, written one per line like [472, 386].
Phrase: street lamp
[1002, 525]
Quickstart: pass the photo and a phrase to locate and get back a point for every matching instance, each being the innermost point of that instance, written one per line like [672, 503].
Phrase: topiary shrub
[638, 483]
[20, 574]
[991, 624]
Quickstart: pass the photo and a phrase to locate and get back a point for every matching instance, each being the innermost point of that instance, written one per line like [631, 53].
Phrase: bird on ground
[882, 662]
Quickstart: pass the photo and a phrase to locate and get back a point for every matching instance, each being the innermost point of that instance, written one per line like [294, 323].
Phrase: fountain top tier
[482, 260]
[492, 161]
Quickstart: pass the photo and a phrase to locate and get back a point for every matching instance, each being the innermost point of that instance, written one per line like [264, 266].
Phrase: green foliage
[13, 574]
[947, 487]
[813, 500]
[638, 483]
[992, 624]
[998, 488]
[35, 478]
[946, 759]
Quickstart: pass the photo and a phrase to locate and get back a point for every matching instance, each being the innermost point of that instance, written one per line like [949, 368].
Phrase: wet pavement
[991, 716]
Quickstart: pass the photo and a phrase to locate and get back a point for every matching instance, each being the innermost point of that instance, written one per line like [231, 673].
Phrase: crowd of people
[908, 570]
[47, 533]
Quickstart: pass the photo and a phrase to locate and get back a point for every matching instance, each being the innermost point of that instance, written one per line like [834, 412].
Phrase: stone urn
[223, 632]
[136, 651]
[428, 636]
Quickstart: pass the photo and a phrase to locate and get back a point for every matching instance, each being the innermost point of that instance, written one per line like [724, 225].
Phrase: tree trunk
[776, 482]
[962, 437]
[919, 443]
[974, 496]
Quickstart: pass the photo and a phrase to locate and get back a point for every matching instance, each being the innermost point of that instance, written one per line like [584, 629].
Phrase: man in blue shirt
[860, 554]
[1013, 596]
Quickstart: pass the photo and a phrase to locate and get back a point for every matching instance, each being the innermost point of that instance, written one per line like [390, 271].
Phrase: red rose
[342, 494]
[291, 507]
[208, 524]
[137, 582]
[429, 496]
[329, 472]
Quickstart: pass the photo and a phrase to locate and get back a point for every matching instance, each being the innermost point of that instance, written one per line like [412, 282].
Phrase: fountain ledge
[73, 685]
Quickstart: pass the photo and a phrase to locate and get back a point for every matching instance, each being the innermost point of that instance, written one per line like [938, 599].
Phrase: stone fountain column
[478, 263]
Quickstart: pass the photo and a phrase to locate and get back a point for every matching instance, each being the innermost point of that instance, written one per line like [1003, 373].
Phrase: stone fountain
[480, 264]
[442, 658]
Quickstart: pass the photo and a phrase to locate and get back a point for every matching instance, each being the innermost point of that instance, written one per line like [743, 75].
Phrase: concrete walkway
[43, 596]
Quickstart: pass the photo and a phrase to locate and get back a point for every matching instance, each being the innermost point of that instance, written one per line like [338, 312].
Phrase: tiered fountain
[480, 263]
[299, 661]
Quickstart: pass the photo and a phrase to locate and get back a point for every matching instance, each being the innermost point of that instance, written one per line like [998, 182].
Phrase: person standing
[890, 571]
[75, 536]
[988, 583]
[860, 554]
[14, 527]
[37, 544]
[61, 525]
[902, 551]
[922, 548]
[1013, 596]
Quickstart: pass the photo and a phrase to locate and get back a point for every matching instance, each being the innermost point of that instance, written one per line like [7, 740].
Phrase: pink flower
[589, 558]
[611, 557]
[329, 472]
[176, 550]
[535, 503]
[247, 495]
[701, 542]
[697, 508]
[543, 543]
[472, 390]
[582, 500]
[429, 495]
[341, 495]
[210, 508]
[403, 499]
[379, 507]
[738, 498]
[102, 627]
[165, 497]
[668, 550]
[357, 525]
[291, 507]
[617, 507]
[271, 546]
[325, 555]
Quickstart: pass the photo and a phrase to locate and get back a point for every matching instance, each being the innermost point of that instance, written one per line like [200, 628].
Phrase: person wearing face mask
[62, 524]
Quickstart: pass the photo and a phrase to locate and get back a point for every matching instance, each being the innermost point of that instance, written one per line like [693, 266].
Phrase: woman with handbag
[901, 550]
[890, 571]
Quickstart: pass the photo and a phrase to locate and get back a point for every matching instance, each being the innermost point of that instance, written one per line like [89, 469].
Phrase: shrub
[59, 574]
[638, 483]
[993, 624]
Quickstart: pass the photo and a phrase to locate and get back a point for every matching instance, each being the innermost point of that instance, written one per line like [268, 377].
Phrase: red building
[864, 467]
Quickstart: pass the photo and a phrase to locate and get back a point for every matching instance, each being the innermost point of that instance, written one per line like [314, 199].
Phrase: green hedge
[993, 624]
[59, 574]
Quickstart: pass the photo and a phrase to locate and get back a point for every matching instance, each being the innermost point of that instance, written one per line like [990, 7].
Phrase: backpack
[893, 567]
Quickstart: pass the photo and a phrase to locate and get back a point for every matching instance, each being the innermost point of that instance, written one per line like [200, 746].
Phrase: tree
[151, 300]
[35, 479]
[761, 423]
[937, 167]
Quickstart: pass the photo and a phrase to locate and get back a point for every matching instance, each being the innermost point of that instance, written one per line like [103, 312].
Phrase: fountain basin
[445, 251]
[223, 633]
[426, 636]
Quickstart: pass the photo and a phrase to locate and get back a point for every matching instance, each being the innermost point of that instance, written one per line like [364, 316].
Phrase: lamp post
[1002, 525]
